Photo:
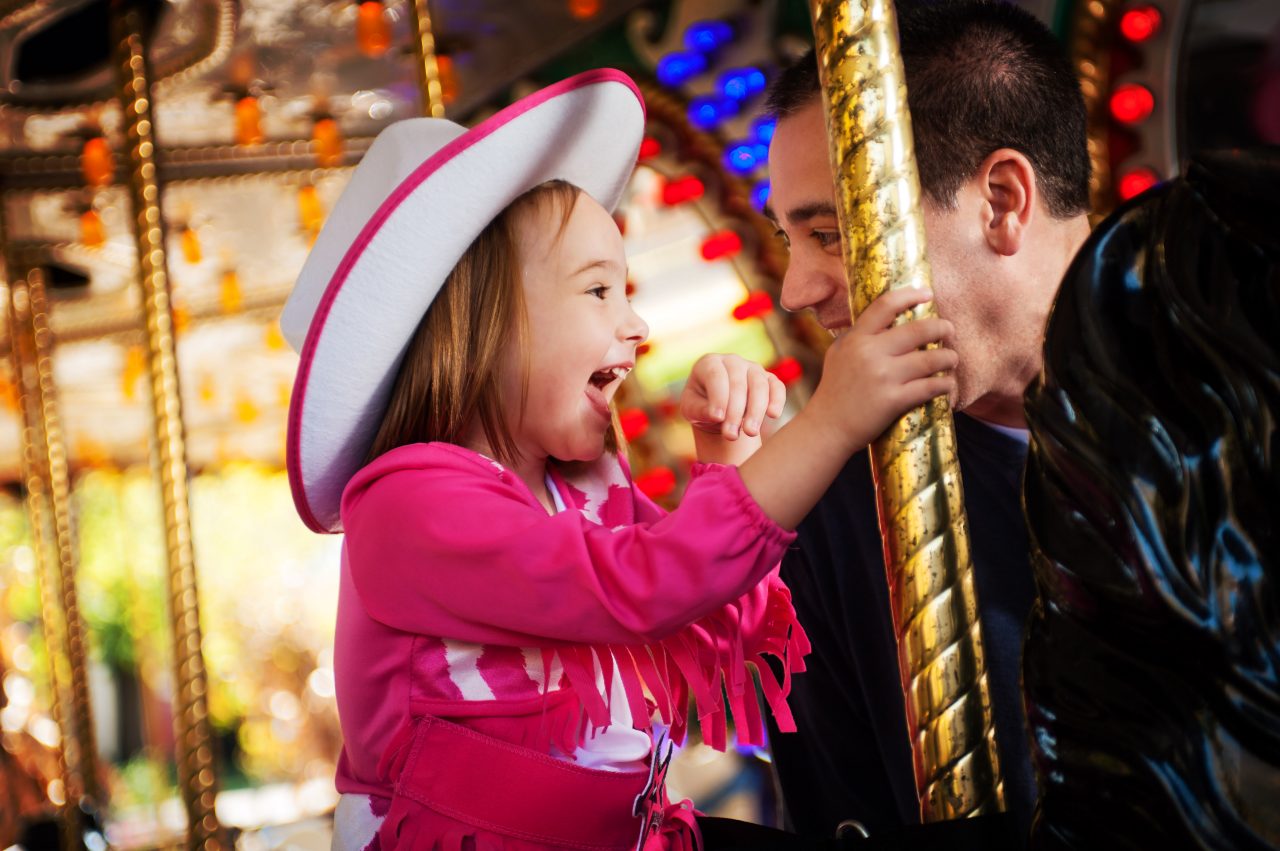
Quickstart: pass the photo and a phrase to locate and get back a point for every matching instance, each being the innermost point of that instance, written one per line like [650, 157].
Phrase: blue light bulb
[707, 36]
[760, 194]
[741, 158]
[675, 68]
[704, 112]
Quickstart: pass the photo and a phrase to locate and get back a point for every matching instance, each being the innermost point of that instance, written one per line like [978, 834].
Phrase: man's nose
[804, 286]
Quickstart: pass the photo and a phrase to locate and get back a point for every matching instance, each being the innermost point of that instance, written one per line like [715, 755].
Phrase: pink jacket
[441, 541]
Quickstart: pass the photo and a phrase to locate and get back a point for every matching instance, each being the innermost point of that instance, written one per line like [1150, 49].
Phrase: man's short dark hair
[980, 76]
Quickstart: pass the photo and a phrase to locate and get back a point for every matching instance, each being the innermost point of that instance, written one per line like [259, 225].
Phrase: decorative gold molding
[1090, 49]
[191, 713]
[915, 463]
[424, 51]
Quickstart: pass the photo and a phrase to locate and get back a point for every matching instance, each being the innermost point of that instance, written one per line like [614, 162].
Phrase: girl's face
[582, 331]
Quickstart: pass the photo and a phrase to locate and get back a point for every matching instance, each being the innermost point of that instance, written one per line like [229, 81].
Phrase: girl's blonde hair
[450, 375]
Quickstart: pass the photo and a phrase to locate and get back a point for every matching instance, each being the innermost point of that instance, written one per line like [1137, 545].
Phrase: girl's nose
[633, 328]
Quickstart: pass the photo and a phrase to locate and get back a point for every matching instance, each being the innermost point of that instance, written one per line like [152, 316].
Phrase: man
[1000, 143]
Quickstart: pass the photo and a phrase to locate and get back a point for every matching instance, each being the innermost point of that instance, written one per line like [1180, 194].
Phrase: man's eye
[827, 238]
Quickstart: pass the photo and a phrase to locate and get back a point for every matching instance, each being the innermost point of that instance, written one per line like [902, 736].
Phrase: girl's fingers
[757, 400]
[777, 396]
[922, 363]
[881, 312]
[916, 393]
[716, 386]
[912, 335]
[735, 404]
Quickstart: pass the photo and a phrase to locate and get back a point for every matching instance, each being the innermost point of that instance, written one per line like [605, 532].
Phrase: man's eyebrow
[805, 212]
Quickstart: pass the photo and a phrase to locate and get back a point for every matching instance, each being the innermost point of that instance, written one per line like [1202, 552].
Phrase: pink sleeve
[725, 645]
[455, 549]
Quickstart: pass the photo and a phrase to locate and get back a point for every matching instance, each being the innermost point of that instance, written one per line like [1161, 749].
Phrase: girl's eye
[599, 291]
[782, 235]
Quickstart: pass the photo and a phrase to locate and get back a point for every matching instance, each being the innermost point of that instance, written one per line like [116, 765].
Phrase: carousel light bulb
[310, 211]
[687, 188]
[725, 243]
[190, 245]
[248, 121]
[92, 233]
[584, 9]
[656, 483]
[759, 303]
[96, 162]
[229, 293]
[373, 32]
[634, 423]
[135, 365]
[328, 139]
[787, 370]
[448, 79]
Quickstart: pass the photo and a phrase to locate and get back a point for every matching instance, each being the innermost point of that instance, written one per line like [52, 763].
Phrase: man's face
[802, 204]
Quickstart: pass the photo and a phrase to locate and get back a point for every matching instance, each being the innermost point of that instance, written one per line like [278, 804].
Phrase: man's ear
[1007, 183]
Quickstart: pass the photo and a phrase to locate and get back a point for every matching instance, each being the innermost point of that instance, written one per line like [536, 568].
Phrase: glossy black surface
[1152, 665]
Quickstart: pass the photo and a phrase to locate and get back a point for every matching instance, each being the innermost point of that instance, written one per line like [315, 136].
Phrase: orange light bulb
[448, 79]
[328, 139]
[190, 245]
[230, 295]
[310, 210]
[373, 32]
[248, 121]
[96, 162]
[92, 233]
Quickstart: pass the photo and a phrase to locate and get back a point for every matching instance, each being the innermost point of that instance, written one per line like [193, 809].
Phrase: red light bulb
[1136, 181]
[1132, 103]
[1140, 24]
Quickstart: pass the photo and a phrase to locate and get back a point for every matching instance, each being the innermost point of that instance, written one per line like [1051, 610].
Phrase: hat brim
[585, 130]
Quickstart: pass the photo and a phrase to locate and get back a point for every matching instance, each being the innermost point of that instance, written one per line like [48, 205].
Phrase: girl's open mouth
[603, 384]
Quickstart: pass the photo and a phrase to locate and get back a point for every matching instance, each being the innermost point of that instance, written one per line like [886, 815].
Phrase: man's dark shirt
[851, 757]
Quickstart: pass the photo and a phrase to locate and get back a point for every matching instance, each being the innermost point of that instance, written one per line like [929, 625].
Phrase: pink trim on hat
[293, 450]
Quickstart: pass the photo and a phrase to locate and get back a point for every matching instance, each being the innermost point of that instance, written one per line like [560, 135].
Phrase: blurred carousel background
[166, 622]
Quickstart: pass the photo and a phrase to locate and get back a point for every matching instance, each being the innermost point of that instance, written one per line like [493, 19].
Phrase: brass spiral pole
[54, 453]
[1090, 50]
[424, 51]
[23, 357]
[915, 463]
[191, 712]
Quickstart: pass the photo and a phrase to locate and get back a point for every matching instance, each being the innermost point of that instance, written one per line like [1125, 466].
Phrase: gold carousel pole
[915, 464]
[1090, 51]
[424, 50]
[22, 352]
[54, 454]
[191, 713]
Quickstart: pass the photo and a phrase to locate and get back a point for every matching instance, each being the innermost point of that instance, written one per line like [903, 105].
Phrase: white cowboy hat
[421, 195]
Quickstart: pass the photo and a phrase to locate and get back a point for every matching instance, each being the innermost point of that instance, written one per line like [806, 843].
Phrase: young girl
[512, 611]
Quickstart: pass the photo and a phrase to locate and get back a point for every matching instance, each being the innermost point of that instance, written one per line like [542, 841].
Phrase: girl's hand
[730, 396]
[877, 371]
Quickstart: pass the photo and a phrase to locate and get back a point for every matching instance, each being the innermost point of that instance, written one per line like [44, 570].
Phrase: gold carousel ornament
[915, 464]
[191, 714]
